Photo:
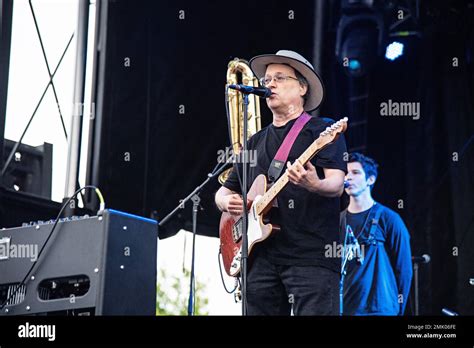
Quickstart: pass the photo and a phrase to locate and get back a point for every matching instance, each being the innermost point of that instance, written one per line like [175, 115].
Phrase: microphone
[352, 239]
[421, 259]
[449, 312]
[262, 92]
[354, 248]
[346, 184]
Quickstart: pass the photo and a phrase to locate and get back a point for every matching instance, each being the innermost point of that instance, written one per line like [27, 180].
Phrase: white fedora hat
[315, 95]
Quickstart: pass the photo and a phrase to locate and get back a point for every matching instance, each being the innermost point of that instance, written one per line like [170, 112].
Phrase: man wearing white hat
[290, 270]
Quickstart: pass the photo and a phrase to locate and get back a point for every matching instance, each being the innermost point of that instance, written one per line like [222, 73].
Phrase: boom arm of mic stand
[195, 191]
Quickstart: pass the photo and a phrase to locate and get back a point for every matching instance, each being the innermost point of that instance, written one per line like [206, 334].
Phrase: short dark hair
[367, 163]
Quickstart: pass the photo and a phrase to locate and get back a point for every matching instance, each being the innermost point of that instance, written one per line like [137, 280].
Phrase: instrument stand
[194, 196]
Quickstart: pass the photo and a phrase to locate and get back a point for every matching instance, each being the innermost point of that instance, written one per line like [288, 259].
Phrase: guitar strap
[374, 216]
[375, 221]
[278, 163]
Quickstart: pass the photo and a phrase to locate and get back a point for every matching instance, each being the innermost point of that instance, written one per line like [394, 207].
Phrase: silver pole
[72, 173]
[417, 303]
[318, 28]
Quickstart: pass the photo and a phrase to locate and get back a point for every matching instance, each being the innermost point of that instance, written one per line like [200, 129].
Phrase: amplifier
[99, 265]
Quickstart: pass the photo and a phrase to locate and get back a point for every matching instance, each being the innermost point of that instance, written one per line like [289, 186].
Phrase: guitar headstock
[332, 132]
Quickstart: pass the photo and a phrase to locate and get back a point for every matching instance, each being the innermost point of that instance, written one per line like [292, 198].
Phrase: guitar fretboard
[280, 184]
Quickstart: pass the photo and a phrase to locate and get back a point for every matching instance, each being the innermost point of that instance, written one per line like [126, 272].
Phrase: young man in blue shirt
[377, 281]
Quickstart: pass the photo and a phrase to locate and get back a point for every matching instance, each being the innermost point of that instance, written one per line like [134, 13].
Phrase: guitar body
[231, 229]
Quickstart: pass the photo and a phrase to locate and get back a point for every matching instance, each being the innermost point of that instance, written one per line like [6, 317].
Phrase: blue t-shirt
[380, 285]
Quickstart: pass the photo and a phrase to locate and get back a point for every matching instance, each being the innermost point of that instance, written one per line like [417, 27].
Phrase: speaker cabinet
[100, 265]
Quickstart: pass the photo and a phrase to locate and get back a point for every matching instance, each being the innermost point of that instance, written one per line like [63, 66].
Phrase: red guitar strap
[278, 163]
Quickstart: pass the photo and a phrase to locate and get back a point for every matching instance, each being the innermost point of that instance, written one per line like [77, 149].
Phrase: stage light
[358, 48]
[359, 42]
[354, 64]
[394, 50]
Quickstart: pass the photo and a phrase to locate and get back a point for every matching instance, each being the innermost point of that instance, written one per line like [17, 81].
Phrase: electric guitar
[260, 202]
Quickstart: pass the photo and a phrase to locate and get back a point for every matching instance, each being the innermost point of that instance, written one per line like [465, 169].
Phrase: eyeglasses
[265, 81]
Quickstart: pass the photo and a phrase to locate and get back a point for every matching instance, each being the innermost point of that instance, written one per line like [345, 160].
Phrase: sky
[28, 78]
[172, 253]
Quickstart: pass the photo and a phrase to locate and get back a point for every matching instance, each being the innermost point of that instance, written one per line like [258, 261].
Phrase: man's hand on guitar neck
[229, 201]
[331, 186]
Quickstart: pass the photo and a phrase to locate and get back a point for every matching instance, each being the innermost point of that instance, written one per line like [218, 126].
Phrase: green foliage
[172, 294]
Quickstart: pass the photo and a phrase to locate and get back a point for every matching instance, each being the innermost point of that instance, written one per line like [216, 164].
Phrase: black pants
[275, 289]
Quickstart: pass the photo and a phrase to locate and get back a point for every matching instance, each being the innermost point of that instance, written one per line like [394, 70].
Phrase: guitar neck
[265, 202]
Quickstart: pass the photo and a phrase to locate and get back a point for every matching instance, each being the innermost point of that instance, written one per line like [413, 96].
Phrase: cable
[18, 143]
[222, 277]
[23, 282]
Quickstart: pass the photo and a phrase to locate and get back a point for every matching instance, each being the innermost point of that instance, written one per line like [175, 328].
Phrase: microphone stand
[415, 278]
[244, 256]
[345, 257]
[194, 196]
[416, 266]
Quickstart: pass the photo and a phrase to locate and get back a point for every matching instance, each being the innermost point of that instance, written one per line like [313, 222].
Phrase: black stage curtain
[178, 64]
[426, 165]
[164, 106]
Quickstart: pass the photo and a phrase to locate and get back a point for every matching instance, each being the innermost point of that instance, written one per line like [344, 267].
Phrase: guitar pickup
[237, 231]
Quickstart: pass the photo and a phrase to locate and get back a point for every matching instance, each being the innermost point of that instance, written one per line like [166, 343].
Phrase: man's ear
[371, 180]
[303, 89]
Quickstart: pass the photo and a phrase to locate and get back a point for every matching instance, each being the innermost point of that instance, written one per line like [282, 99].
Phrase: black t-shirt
[308, 221]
